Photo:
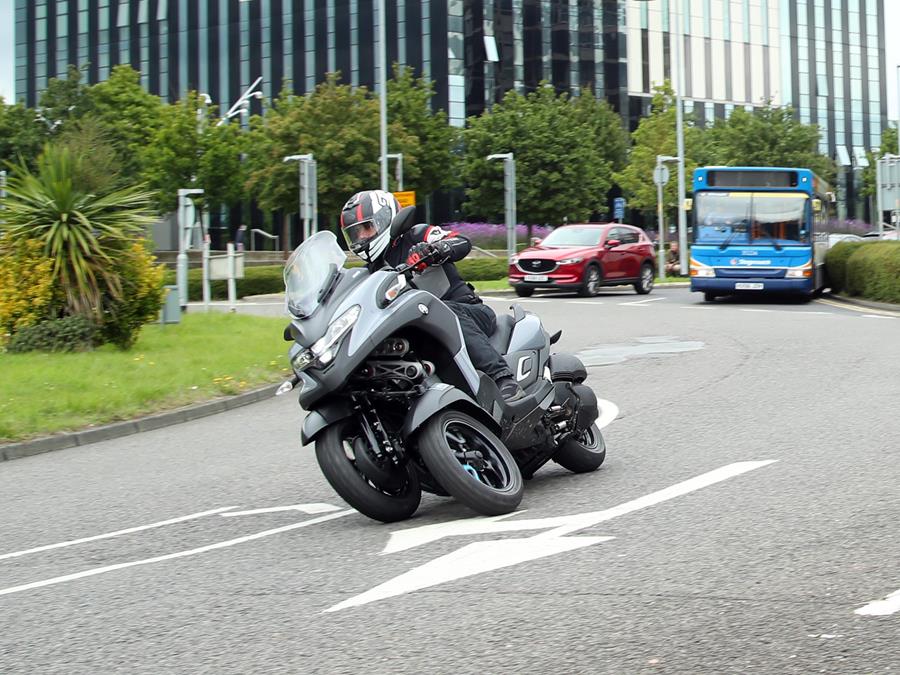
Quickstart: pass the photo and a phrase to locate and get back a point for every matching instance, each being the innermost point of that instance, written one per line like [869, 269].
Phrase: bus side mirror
[817, 205]
[688, 204]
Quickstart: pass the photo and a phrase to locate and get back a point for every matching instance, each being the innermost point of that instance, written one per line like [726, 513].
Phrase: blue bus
[758, 230]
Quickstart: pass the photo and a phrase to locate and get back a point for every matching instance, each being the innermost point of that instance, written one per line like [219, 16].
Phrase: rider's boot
[510, 389]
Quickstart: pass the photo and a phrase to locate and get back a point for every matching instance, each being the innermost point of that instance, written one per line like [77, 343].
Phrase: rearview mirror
[612, 243]
[403, 221]
[536, 240]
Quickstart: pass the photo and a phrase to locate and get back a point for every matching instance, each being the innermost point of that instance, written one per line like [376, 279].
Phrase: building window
[122, 19]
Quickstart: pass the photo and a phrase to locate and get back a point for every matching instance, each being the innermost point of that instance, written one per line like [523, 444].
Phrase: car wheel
[709, 297]
[524, 292]
[645, 285]
[590, 284]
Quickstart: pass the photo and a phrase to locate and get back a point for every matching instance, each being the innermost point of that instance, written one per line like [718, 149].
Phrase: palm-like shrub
[82, 233]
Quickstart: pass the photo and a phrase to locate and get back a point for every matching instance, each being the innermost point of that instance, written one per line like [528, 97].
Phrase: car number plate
[536, 277]
[740, 286]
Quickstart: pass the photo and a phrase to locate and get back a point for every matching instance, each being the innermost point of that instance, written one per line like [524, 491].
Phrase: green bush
[263, 279]
[69, 334]
[138, 303]
[836, 263]
[873, 272]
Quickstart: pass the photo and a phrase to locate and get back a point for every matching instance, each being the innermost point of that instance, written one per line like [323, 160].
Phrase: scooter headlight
[325, 348]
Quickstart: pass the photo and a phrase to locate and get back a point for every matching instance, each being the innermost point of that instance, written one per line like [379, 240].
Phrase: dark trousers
[478, 323]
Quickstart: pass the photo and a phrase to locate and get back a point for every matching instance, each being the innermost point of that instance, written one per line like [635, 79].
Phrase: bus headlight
[698, 269]
[799, 272]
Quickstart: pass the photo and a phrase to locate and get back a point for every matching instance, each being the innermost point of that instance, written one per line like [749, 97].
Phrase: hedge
[873, 272]
[836, 263]
[260, 280]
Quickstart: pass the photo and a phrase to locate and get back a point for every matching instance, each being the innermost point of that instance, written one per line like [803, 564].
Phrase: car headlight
[513, 259]
[570, 261]
[325, 348]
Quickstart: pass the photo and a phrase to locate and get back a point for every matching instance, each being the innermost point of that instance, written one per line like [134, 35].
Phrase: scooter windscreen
[307, 272]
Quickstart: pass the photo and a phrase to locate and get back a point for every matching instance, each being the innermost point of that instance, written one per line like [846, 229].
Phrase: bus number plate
[743, 286]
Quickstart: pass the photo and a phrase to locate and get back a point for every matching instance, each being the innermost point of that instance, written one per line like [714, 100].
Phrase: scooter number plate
[536, 277]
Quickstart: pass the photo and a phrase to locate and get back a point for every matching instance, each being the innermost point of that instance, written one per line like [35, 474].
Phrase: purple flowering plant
[493, 235]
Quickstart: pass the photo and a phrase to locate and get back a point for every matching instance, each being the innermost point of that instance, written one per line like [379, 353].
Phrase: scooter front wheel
[391, 495]
[582, 453]
[471, 463]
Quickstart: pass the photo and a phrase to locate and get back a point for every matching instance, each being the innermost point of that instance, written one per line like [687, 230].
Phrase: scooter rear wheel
[582, 453]
[471, 463]
[335, 454]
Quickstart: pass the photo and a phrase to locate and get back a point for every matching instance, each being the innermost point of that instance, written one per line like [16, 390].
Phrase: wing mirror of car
[536, 240]
[612, 243]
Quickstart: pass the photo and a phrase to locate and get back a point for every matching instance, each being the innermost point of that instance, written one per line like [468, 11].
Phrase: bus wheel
[709, 297]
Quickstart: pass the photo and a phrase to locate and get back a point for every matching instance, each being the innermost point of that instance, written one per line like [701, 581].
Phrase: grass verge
[204, 357]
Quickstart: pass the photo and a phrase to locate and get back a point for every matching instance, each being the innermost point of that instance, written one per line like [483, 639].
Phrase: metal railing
[256, 231]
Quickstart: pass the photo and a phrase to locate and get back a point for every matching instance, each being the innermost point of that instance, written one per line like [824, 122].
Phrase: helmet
[366, 222]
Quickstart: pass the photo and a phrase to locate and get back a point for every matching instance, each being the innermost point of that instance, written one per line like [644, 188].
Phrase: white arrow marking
[171, 556]
[482, 556]
[490, 555]
[608, 412]
[890, 605]
[129, 530]
[311, 509]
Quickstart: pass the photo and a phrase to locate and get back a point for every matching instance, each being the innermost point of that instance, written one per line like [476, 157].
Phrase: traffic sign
[619, 208]
[661, 174]
[407, 198]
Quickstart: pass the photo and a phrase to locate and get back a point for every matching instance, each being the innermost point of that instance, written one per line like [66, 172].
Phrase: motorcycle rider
[366, 222]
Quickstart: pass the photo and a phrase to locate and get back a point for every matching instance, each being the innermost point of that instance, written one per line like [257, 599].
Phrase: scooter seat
[500, 338]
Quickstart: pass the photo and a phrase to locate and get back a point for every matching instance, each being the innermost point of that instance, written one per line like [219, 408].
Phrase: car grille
[536, 265]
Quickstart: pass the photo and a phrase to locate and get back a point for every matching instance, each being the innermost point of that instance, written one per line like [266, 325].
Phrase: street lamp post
[679, 132]
[382, 94]
[509, 198]
[185, 212]
[399, 170]
[661, 177]
[242, 105]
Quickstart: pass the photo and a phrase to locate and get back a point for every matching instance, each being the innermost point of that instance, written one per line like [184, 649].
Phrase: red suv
[585, 257]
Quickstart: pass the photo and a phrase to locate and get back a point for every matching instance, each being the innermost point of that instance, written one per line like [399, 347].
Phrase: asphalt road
[745, 521]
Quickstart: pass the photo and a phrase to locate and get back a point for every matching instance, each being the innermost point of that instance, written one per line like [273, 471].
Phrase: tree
[21, 134]
[82, 233]
[339, 126]
[608, 133]
[129, 115]
[561, 173]
[654, 136]
[767, 136]
[64, 100]
[409, 104]
[100, 168]
[188, 150]
[869, 174]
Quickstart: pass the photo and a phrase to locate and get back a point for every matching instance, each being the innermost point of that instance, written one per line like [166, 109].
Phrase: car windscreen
[751, 218]
[573, 236]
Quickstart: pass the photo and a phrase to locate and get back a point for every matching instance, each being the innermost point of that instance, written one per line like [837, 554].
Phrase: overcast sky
[7, 52]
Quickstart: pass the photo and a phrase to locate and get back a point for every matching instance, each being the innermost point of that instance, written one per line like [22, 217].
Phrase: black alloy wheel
[590, 284]
[645, 284]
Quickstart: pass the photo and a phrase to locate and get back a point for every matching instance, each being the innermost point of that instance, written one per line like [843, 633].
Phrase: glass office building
[824, 57]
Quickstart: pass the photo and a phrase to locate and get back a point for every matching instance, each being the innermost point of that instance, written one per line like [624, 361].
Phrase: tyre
[590, 284]
[336, 452]
[471, 463]
[645, 283]
[523, 292]
[709, 297]
[582, 453]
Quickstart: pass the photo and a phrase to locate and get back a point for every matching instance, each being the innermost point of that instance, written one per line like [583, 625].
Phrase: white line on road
[695, 307]
[171, 556]
[310, 509]
[484, 556]
[877, 316]
[758, 310]
[584, 302]
[129, 530]
[890, 605]
[642, 302]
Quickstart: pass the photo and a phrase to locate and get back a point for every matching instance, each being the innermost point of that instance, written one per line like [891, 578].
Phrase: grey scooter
[395, 405]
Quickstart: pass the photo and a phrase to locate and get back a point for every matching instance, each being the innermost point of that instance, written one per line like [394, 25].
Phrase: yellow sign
[406, 198]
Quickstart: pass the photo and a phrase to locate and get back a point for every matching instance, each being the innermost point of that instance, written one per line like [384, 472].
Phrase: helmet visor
[359, 234]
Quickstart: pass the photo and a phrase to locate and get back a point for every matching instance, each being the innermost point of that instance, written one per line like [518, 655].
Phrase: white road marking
[491, 555]
[817, 313]
[491, 297]
[641, 302]
[311, 509]
[758, 310]
[583, 302]
[608, 412]
[171, 556]
[537, 300]
[855, 308]
[129, 530]
[877, 316]
[890, 605]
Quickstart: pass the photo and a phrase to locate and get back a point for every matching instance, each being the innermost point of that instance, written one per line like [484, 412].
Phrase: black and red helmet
[366, 222]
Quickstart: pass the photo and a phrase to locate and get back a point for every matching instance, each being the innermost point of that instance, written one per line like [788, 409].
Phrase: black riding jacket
[398, 253]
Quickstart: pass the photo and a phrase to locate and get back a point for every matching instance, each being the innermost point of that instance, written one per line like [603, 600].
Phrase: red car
[585, 257]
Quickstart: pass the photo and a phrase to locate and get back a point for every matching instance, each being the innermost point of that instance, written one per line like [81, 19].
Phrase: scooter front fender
[439, 397]
[323, 416]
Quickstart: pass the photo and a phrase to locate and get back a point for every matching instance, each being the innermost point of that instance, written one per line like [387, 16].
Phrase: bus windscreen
[751, 218]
